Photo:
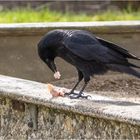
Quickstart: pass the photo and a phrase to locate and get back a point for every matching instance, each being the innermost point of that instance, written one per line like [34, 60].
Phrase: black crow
[89, 54]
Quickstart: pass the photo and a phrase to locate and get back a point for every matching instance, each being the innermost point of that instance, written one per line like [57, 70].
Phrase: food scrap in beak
[57, 75]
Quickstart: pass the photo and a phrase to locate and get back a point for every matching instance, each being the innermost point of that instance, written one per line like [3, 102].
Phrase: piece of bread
[55, 92]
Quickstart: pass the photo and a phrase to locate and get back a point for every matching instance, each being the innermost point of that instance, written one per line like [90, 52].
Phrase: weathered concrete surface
[18, 48]
[100, 117]
[58, 124]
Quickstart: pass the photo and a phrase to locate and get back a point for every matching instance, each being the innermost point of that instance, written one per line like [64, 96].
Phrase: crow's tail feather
[125, 69]
[133, 72]
[118, 49]
[132, 65]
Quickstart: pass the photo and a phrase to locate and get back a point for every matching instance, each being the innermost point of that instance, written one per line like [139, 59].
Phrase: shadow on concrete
[119, 103]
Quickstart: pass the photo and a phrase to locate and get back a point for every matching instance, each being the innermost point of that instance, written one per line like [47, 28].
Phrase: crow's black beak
[51, 65]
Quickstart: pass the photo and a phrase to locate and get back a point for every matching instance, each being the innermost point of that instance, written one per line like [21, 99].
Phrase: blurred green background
[59, 11]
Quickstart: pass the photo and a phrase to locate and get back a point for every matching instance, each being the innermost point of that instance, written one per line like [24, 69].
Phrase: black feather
[117, 48]
[124, 69]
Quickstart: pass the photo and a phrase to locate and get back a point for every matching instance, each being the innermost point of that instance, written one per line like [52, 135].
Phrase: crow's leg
[80, 94]
[80, 77]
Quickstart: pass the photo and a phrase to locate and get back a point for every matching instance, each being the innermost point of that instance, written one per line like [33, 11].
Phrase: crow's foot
[77, 95]
[71, 93]
[80, 96]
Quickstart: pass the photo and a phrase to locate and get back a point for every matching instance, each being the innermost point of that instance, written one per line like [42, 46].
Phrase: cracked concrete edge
[96, 27]
[121, 110]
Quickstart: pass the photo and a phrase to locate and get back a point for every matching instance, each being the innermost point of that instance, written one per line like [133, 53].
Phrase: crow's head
[48, 48]
[47, 53]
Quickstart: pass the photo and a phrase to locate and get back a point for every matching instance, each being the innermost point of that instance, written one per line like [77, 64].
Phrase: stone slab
[122, 110]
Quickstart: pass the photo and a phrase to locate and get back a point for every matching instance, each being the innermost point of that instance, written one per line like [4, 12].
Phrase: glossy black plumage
[88, 53]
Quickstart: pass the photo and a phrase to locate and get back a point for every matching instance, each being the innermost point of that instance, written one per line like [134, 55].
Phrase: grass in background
[29, 15]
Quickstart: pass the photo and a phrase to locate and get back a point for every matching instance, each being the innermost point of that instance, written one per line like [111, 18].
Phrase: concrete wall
[28, 111]
[18, 47]
[58, 124]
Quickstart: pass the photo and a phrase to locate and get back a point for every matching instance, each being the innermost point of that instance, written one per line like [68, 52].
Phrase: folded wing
[88, 47]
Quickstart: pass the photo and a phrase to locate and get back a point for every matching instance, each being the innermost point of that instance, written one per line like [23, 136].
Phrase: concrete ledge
[96, 27]
[98, 106]
[28, 111]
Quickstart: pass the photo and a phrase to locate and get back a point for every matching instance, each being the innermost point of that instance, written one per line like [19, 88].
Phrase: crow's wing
[117, 48]
[87, 47]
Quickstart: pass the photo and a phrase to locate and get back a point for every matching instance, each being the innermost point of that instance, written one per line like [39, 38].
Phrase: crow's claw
[77, 95]
[80, 96]
[71, 93]
[88, 96]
